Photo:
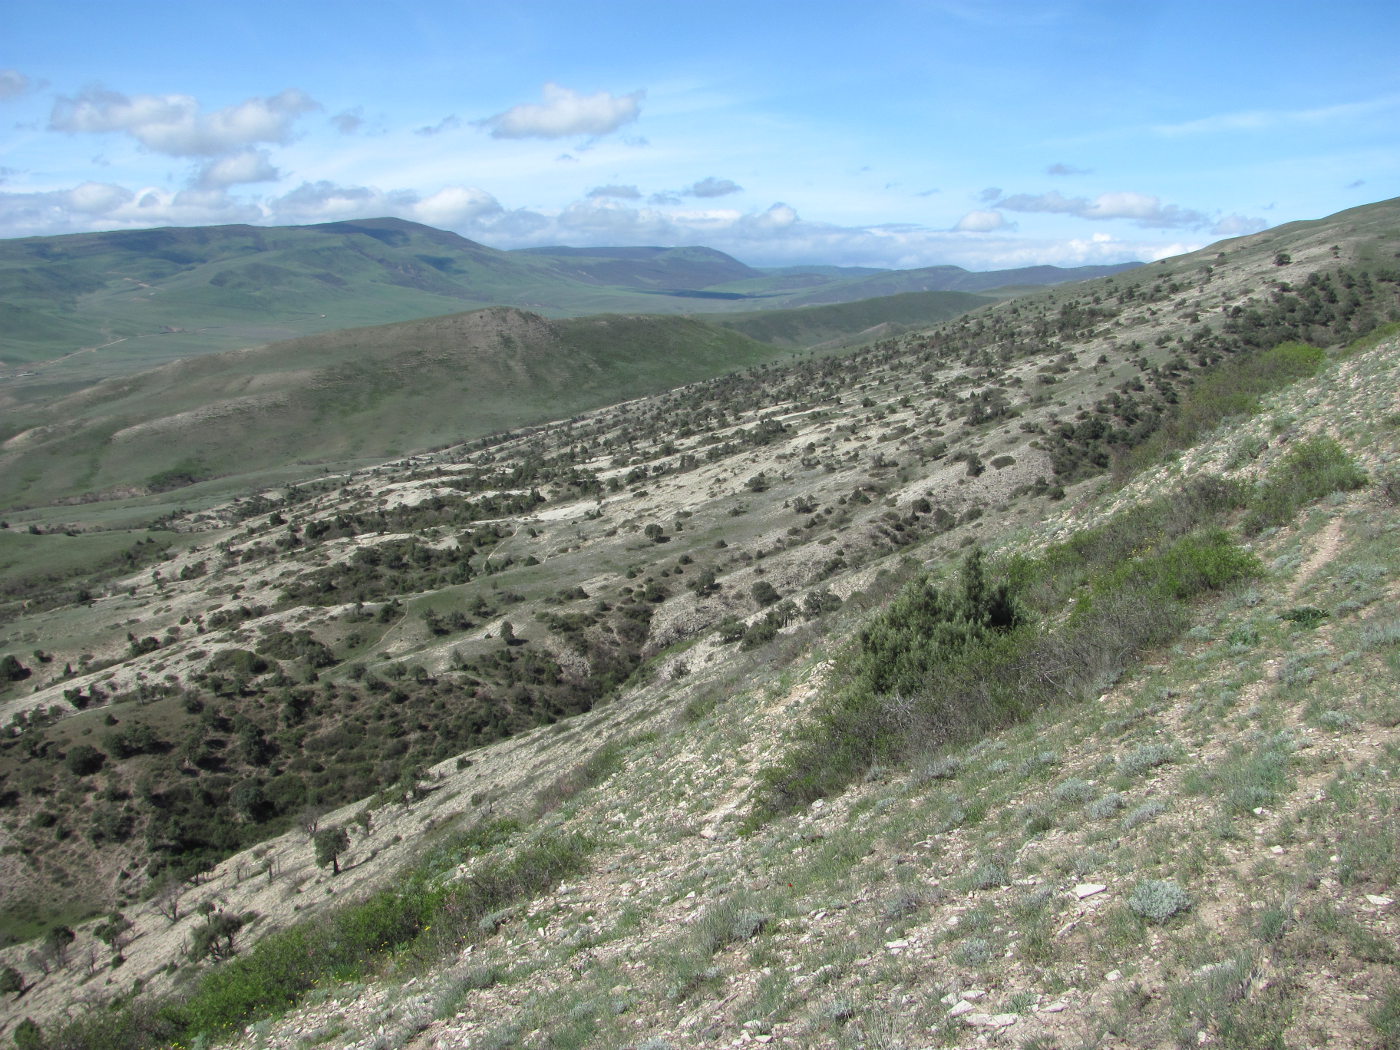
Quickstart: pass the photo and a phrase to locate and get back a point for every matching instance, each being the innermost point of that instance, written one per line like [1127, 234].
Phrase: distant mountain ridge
[159, 294]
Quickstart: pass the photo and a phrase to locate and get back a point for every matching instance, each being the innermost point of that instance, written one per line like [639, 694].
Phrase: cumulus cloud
[451, 122]
[1141, 208]
[630, 193]
[1065, 169]
[1238, 225]
[13, 84]
[712, 187]
[350, 121]
[981, 221]
[250, 165]
[107, 206]
[563, 113]
[175, 124]
[324, 201]
[456, 206]
[775, 235]
[96, 198]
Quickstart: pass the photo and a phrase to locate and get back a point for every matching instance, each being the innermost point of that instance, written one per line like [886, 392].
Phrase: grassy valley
[1025, 678]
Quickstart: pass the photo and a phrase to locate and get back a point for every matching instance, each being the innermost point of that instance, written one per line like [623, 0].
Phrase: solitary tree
[11, 670]
[330, 842]
[215, 937]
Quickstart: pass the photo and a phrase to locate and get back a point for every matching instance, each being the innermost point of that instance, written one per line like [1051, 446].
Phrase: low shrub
[937, 667]
[1310, 470]
[424, 916]
[1157, 900]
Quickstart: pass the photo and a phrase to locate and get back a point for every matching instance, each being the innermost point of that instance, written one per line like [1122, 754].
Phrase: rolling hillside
[354, 396]
[79, 308]
[1024, 680]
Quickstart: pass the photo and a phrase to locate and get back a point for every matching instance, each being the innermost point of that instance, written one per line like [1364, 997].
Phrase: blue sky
[891, 133]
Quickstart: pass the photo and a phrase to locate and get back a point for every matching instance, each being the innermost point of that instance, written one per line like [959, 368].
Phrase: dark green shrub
[11, 670]
[84, 760]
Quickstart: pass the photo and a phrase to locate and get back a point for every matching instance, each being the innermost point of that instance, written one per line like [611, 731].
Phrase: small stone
[992, 1020]
[900, 943]
[1275, 849]
[1053, 1008]
[973, 994]
[962, 1006]
[1378, 900]
[1113, 975]
[1088, 889]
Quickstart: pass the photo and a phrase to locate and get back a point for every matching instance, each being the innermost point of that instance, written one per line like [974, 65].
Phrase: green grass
[934, 669]
[424, 918]
[1233, 389]
[1309, 470]
[362, 394]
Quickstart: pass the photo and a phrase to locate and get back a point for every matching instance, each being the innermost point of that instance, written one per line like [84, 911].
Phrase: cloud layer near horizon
[608, 215]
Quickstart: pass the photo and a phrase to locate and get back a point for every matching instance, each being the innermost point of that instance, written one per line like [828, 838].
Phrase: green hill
[1025, 680]
[84, 307]
[352, 396]
[858, 321]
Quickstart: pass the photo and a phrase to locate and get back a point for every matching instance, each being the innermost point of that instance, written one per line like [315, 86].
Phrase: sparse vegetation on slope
[706, 553]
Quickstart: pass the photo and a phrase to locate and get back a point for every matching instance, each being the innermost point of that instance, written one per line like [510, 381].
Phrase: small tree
[28, 1035]
[11, 670]
[215, 937]
[330, 842]
[11, 982]
[167, 899]
[84, 760]
[113, 931]
[764, 593]
[56, 943]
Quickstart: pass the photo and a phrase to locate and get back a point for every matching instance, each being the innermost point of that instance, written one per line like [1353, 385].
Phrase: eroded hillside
[675, 574]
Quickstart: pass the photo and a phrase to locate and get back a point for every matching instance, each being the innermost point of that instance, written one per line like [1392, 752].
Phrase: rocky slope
[1199, 852]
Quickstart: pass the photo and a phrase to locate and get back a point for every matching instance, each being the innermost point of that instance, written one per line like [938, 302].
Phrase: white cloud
[324, 201]
[565, 113]
[1141, 208]
[981, 222]
[1269, 119]
[103, 205]
[779, 216]
[13, 84]
[630, 193]
[175, 125]
[97, 198]
[1238, 225]
[775, 235]
[350, 121]
[712, 187]
[457, 206]
[251, 165]
[451, 122]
